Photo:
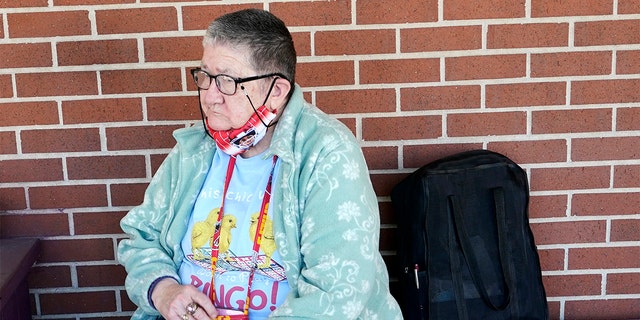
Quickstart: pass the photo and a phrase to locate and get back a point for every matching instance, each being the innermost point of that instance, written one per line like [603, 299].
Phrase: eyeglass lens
[225, 84]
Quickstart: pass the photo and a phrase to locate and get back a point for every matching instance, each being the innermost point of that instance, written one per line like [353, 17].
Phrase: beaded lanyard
[256, 240]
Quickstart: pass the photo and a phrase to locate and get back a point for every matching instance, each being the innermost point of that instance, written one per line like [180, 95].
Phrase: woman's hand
[175, 301]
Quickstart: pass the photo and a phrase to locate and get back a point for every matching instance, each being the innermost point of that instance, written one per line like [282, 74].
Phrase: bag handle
[470, 256]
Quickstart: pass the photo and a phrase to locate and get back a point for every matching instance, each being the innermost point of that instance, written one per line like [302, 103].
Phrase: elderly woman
[265, 210]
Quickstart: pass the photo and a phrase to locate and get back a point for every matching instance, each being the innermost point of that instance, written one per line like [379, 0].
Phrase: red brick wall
[90, 91]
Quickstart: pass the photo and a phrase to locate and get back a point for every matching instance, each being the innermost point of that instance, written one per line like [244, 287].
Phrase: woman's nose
[211, 96]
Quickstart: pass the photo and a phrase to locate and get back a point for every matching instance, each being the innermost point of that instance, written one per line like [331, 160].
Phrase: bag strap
[470, 256]
[456, 273]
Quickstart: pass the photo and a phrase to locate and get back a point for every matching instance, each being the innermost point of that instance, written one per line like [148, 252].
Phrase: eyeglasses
[225, 83]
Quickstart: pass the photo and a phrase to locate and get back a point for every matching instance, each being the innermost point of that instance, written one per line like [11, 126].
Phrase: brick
[354, 42]
[565, 8]
[130, 194]
[72, 196]
[595, 33]
[137, 20]
[401, 128]
[60, 140]
[28, 113]
[440, 38]
[551, 259]
[106, 167]
[615, 148]
[138, 81]
[571, 121]
[8, 142]
[383, 183]
[101, 110]
[484, 124]
[387, 216]
[399, 71]
[547, 206]
[485, 67]
[388, 237]
[623, 283]
[571, 64]
[302, 43]
[312, 74]
[22, 55]
[626, 176]
[386, 12]
[526, 94]
[572, 285]
[48, 24]
[381, 157]
[90, 2]
[605, 309]
[86, 223]
[78, 302]
[173, 49]
[141, 138]
[535, 151]
[628, 62]
[22, 3]
[77, 250]
[440, 98]
[628, 6]
[199, 17]
[571, 232]
[12, 199]
[605, 91]
[127, 305]
[156, 161]
[604, 258]
[30, 170]
[357, 101]
[110, 276]
[483, 9]
[604, 204]
[6, 86]
[314, 13]
[173, 108]
[532, 35]
[625, 230]
[97, 52]
[628, 119]
[56, 84]
[416, 156]
[570, 178]
[34, 225]
[49, 277]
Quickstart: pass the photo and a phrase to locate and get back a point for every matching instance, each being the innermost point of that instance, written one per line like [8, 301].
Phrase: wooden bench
[16, 258]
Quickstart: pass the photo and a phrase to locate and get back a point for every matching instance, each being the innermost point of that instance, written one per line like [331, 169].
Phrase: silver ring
[185, 317]
[192, 308]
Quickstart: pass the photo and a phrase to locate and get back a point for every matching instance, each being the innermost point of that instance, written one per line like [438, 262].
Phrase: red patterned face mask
[236, 141]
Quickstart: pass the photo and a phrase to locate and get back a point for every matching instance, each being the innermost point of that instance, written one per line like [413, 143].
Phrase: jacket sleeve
[340, 276]
[145, 253]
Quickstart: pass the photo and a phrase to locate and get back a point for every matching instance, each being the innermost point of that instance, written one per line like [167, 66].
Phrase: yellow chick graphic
[228, 223]
[268, 243]
[202, 233]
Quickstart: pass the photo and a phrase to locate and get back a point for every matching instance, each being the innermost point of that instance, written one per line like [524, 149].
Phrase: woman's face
[224, 112]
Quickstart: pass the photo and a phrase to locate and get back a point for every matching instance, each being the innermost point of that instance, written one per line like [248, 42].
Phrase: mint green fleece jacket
[324, 211]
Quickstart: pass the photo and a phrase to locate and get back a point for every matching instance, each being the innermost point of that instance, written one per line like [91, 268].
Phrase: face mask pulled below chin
[236, 141]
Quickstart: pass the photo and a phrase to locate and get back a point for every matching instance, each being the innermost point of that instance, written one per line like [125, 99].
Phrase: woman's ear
[279, 94]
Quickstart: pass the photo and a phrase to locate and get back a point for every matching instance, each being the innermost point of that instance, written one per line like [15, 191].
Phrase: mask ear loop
[204, 122]
[263, 103]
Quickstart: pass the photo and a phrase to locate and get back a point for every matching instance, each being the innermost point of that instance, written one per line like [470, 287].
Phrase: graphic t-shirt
[237, 229]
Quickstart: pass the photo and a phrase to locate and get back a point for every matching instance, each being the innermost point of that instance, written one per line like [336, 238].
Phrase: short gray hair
[269, 42]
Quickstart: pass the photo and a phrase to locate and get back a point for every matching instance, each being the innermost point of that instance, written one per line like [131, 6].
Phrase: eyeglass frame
[237, 81]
